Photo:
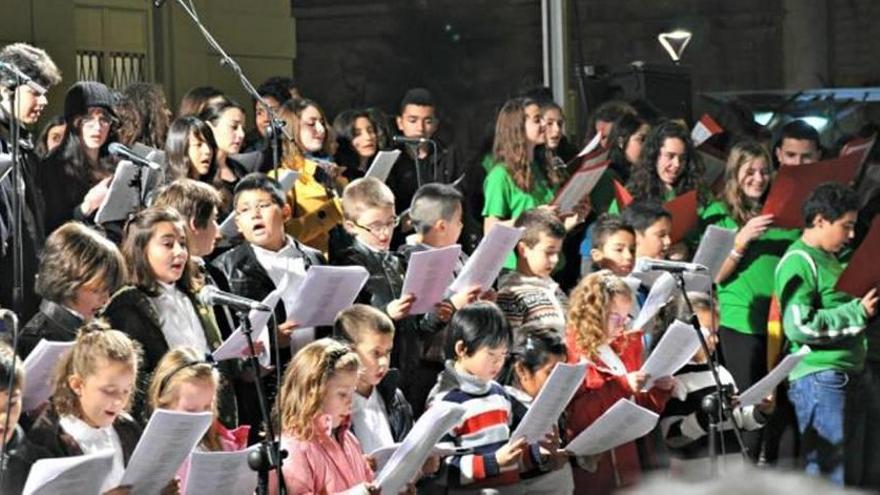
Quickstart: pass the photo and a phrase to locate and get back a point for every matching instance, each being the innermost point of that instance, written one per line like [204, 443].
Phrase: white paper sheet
[382, 164]
[39, 368]
[483, 267]
[677, 346]
[593, 144]
[81, 474]
[221, 472]
[383, 454]
[428, 275]
[659, 295]
[122, 198]
[236, 346]
[325, 292]
[578, 187]
[229, 230]
[767, 385]
[407, 460]
[167, 440]
[553, 398]
[714, 248]
[624, 422]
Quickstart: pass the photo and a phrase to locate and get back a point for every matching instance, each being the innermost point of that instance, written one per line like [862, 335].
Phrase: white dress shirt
[93, 440]
[181, 325]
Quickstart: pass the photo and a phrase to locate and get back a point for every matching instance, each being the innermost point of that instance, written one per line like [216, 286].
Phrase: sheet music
[81, 474]
[578, 187]
[767, 385]
[383, 454]
[659, 295]
[593, 144]
[382, 164]
[677, 346]
[407, 460]
[221, 472]
[714, 248]
[236, 346]
[228, 228]
[38, 368]
[624, 422]
[483, 267]
[169, 437]
[428, 275]
[325, 292]
[122, 197]
[551, 401]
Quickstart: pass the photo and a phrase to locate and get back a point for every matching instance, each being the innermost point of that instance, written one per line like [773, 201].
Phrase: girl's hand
[767, 405]
[510, 453]
[869, 302]
[489, 295]
[636, 380]
[93, 199]
[172, 488]
[399, 308]
[119, 490]
[753, 229]
[444, 311]
[431, 465]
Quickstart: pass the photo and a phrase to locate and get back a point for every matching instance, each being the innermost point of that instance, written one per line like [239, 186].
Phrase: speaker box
[668, 88]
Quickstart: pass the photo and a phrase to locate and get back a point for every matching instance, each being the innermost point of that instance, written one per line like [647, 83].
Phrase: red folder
[863, 272]
[794, 183]
[624, 198]
[684, 215]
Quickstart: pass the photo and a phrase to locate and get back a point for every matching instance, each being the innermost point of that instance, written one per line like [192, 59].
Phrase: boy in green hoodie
[829, 321]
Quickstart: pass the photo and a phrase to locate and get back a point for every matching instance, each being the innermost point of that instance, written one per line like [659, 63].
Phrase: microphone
[211, 296]
[652, 265]
[123, 151]
[158, 3]
[408, 140]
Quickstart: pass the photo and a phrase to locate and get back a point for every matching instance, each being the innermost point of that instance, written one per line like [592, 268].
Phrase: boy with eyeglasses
[368, 210]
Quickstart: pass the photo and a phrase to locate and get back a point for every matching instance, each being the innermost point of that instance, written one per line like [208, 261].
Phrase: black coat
[46, 439]
[400, 413]
[33, 228]
[53, 322]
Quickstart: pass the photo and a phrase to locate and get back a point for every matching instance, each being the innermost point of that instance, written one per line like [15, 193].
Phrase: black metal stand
[269, 456]
[718, 404]
[225, 59]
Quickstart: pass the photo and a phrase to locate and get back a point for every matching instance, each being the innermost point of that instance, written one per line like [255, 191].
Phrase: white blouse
[93, 440]
[181, 325]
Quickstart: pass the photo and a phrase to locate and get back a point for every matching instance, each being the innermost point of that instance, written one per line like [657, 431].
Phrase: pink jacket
[230, 440]
[325, 464]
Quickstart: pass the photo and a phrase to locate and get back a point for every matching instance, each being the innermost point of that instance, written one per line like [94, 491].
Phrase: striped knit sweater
[525, 299]
[683, 423]
[485, 427]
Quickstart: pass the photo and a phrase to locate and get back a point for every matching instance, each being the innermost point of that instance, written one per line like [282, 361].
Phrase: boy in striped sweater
[478, 342]
[529, 295]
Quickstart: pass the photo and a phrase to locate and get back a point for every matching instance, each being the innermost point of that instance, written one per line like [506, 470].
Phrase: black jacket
[53, 322]
[131, 311]
[400, 413]
[46, 439]
[33, 228]
[238, 271]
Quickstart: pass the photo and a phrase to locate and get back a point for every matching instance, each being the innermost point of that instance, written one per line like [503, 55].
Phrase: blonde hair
[742, 208]
[363, 194]
[179, 366]
[305, 384]
[95, 342]
[588, 308]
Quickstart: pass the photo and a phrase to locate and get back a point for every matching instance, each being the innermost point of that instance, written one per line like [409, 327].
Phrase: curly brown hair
[305, 384]
[588, 308]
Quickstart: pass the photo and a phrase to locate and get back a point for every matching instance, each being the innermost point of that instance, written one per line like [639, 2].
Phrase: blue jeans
[820, 403]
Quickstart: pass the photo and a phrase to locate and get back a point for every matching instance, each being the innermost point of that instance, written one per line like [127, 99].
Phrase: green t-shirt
[814, 313]
[505, 200]
[744, 297]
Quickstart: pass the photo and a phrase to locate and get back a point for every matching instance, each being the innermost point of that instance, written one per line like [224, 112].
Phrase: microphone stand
[269, 456]
[716, 405]
[277, 124]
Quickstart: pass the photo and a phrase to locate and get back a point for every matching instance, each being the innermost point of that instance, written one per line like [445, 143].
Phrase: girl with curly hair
[667, 167]
[315, 413]
[597, 332]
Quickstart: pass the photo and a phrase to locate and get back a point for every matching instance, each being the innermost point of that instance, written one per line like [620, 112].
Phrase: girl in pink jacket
[316, 397]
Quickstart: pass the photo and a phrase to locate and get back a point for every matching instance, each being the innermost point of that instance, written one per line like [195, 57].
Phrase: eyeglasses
[378, 228]
[248, 208]
[618, 321]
